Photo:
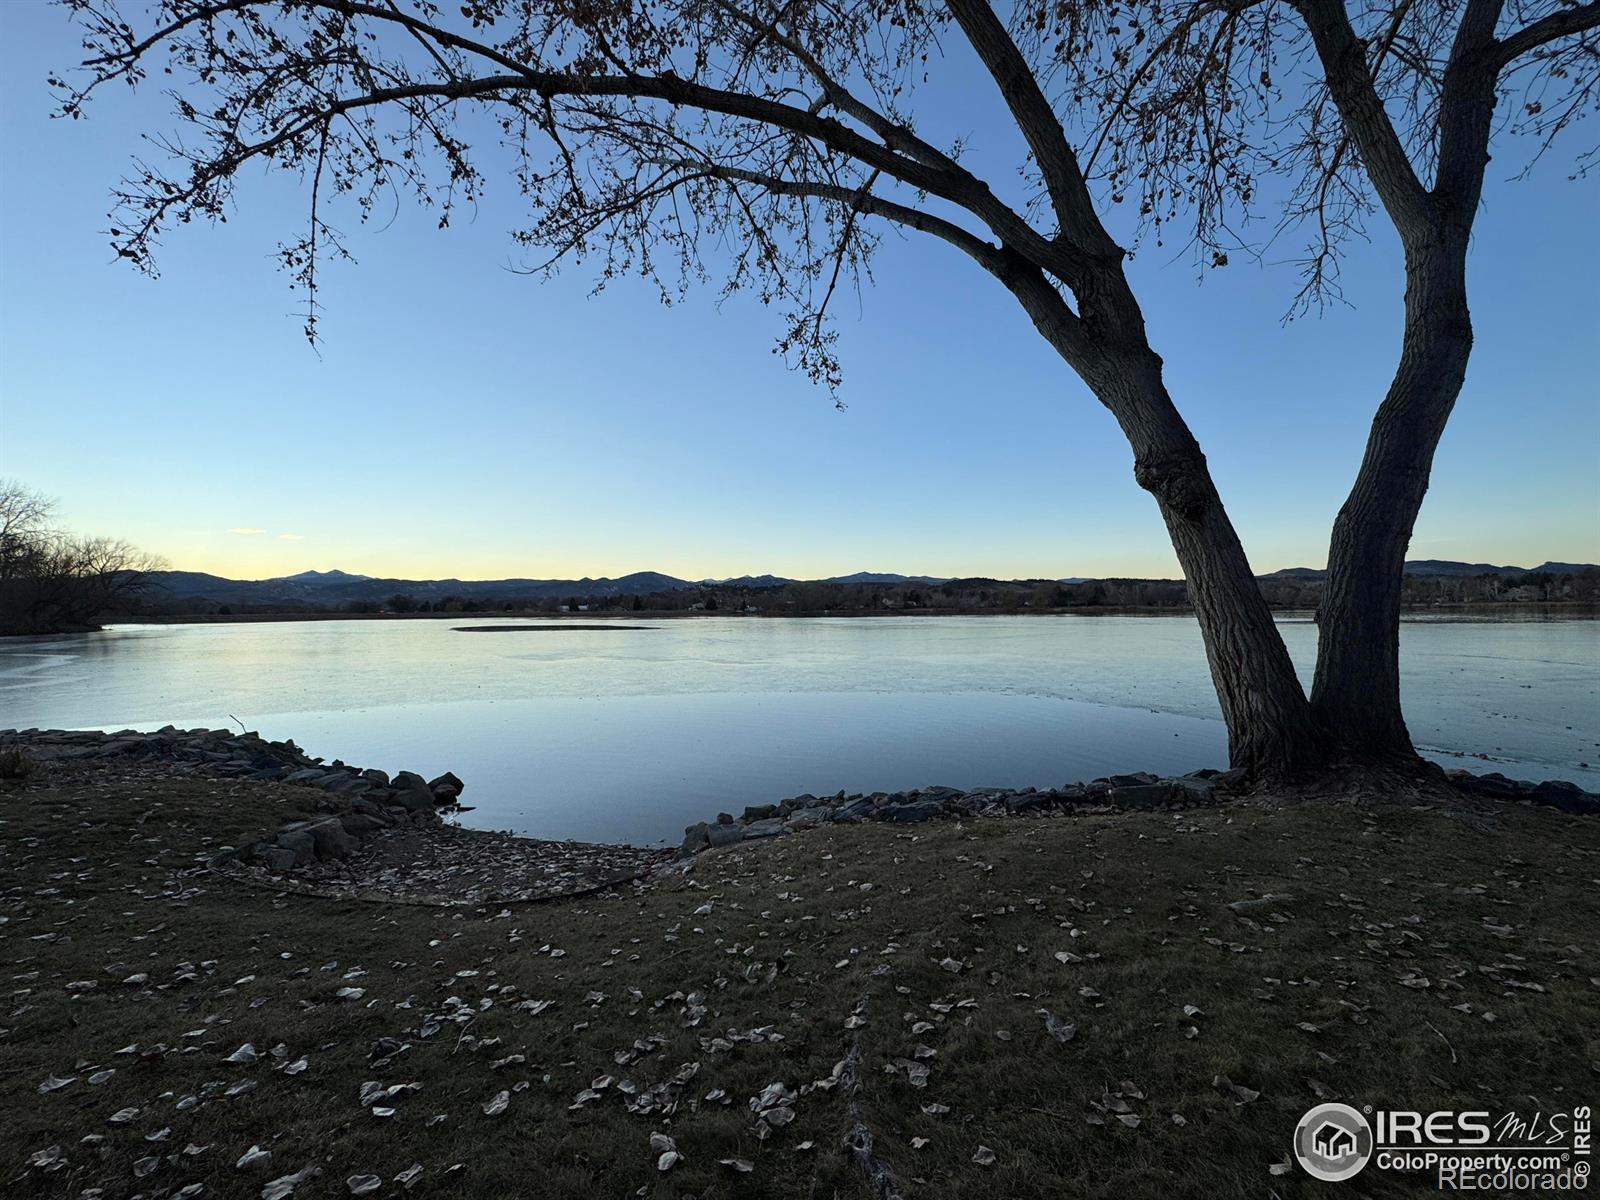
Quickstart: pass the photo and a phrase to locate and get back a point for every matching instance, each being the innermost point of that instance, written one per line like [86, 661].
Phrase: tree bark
[1357, 687]
[1271, 727]
[1272, 730]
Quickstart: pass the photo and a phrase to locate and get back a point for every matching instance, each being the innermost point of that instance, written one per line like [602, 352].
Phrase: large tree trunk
[1356, 692]
[1271, 727]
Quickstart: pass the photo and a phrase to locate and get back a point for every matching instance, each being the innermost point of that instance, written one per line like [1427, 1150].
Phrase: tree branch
[1564, 22]
[1063, 178]
[1466, 111]
[1355, 94]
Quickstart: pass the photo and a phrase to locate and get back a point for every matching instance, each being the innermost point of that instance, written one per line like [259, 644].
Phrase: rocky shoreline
[1113, 793]
[361, 802]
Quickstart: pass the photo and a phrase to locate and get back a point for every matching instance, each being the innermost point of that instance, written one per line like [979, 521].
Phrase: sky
[463, 420]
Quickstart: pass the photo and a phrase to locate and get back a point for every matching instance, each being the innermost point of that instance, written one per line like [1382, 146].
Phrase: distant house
[1334, 1142]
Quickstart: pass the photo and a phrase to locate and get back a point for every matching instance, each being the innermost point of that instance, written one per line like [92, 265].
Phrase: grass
[103, 879]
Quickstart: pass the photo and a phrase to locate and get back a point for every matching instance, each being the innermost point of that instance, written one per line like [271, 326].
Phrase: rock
[694, 838]
[855, 810]
[358, 823]
[759, 812]
[770, 827]
[299, 843]
[276, 858]
[1142, 795]
[304, 775]
[1568, 797]
[446, 788]
[724, 835]
[331, 838]
[376, 778]
[1193, 789]
[412, 793]
[724, 818]
[1029, 801]
[921, 810]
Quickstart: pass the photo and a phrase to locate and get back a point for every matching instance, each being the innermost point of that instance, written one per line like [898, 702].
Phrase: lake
[631, 734]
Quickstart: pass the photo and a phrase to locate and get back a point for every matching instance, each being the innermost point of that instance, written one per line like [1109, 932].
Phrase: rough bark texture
[1271, 727]
[1357, 687]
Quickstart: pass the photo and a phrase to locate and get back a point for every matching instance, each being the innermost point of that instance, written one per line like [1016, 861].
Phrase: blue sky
[464, 420]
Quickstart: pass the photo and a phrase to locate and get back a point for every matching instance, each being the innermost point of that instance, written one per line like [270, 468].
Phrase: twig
[1443, 1039]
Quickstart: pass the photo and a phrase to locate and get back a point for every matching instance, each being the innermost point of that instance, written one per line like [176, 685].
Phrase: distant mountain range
[1440, 566]
[332, 588]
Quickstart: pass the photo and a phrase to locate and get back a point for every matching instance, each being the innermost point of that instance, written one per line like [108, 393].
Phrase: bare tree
[52, 581]
[775, 140]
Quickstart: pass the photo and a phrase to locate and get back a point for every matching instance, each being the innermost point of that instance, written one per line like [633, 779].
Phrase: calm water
[619, 735]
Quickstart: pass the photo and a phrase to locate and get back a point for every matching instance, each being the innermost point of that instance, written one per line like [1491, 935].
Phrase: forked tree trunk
[1357, 687]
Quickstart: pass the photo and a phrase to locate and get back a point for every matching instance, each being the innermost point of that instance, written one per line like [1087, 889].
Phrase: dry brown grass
[102, 879]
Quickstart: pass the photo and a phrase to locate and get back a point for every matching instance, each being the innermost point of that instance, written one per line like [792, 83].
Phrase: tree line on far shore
[952, 596]
[56, 581]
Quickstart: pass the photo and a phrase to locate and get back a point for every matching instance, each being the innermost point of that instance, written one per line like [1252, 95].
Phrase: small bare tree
[775, 139]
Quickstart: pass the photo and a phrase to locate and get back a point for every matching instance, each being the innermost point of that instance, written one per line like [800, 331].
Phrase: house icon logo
[1333, 1142]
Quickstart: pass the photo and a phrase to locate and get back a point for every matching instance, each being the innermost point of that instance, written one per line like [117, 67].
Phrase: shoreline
[1466, 613]
[354, 804]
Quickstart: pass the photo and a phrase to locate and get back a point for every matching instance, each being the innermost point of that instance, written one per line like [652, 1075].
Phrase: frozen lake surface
[630, 734]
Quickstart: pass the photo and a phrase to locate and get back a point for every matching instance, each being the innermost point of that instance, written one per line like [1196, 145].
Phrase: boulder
[759, 812]
[276, 858]
[376, 777]
[1568, 797]
[769, 827]
[1141, 795]
[1134, 780]
[724, 835]
[449, 780]
[411, 792]
[920, 810]
[1193, 789]
[359, 824]
[299, 843]
[331, 838]
[694, 837]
